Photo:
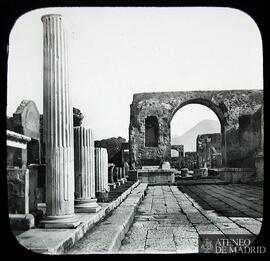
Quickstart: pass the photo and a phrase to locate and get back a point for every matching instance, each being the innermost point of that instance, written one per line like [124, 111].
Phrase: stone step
[106, 237]
[57, 241]
[201, 182]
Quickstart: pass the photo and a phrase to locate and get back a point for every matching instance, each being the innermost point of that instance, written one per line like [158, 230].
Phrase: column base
[66, 221]
[87, 206]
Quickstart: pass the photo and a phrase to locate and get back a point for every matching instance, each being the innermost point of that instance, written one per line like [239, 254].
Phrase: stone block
[18, 190]
[112, 186]
[21, 221]
[133, 175]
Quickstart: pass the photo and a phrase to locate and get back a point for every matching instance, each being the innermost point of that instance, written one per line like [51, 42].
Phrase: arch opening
[198, 125]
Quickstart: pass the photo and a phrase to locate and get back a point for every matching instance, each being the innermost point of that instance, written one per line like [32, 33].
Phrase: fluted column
[58, 127]
[101, 173]
[84, 165]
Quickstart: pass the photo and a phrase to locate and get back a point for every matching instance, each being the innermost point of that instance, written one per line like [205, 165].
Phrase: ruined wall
[243, 143]
[18, 190]
[227, 105]
[191, 160]
[26, 121]
[177, 162]
[249, 137]
[209, 150]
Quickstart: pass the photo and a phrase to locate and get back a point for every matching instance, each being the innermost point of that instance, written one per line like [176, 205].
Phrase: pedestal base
[121, 181]
[66, 221]
[87, 206]
[112, 186]
[159, 176]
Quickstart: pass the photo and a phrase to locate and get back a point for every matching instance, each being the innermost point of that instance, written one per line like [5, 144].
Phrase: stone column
[58, 127]
[84, 164]
[101, 173]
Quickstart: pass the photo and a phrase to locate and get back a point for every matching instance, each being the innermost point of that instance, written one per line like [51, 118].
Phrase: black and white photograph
[135, 130]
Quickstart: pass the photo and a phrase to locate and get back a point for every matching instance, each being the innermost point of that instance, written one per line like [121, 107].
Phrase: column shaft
[101, 171]
[58, 127]
[84, 164]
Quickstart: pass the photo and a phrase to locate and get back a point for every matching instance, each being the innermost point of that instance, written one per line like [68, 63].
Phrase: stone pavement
[170, 220]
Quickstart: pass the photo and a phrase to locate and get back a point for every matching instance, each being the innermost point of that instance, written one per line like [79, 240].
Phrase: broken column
[84, 166]
[58, 127]
[101, 173]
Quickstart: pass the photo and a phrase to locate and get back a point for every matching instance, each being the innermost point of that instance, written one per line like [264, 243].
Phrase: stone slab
[21, 221]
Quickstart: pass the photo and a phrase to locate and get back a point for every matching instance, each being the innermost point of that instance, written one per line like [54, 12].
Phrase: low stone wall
[237, 175]
[202, 172]
[18, 190]
[158, 176]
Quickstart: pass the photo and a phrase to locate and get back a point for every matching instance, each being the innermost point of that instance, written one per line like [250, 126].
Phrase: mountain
[188, 139]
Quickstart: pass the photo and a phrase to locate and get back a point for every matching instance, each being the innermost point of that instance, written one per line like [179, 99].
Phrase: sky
[116, 52]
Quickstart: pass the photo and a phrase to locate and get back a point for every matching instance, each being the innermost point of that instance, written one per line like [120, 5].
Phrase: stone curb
[27, 238]
[118, 224]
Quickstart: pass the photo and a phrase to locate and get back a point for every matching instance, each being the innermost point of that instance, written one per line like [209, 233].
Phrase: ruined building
[208, 147]
[150, 124]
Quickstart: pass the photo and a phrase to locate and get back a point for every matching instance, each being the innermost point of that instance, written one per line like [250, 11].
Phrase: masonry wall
[191, 160]
[209, 150]
[250, 137]
[228, 106]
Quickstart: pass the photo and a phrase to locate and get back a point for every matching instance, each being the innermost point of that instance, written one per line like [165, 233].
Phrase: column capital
[44, 17]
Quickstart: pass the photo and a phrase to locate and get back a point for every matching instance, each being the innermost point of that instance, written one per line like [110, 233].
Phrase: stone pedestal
[58, 127]
[84, 167]
[115, 177]
[101, 173]
[166, 165]
[156, 177]
[111, 182]
[126, 169]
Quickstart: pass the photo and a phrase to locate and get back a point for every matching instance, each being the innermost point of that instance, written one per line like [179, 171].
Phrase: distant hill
[188, 139]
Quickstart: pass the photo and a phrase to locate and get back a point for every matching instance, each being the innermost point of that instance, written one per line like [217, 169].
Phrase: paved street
[170, 220]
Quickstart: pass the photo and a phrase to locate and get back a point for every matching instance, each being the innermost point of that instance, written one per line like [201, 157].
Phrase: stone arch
[216, 109]
[219, 113]
[227, 104]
